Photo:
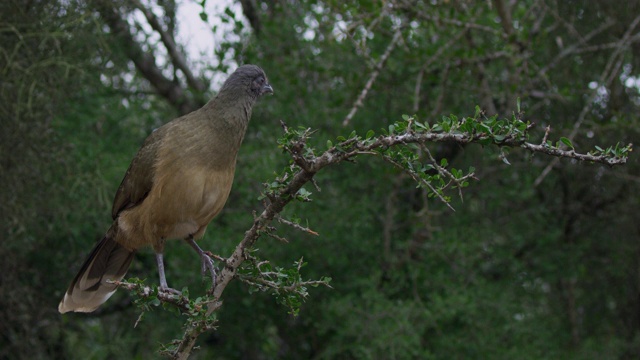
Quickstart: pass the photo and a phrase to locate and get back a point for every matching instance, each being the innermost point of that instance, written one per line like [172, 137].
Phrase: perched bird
[176, 184]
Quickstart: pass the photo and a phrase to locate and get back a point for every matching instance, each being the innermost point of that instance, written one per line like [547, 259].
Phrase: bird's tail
[89, 289]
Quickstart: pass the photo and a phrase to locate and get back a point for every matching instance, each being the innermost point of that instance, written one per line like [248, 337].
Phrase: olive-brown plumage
[176, 184]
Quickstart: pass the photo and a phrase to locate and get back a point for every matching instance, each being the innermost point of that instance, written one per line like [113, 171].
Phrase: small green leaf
[370, 134]
[518, 104]
[329, 144]
[422, 126]
[567, 142]
[405, 117]
[478, 112]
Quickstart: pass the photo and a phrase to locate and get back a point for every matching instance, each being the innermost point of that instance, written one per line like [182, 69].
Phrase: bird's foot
[166, 289]
[207, 264]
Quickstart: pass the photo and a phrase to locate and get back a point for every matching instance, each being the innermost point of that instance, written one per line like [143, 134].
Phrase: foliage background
[520, 270]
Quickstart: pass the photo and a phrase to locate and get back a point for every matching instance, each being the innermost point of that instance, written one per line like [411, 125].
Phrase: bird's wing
[138, 180]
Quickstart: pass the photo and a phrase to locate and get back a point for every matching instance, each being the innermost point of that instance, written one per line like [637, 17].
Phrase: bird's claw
[207, 264]
[169, 290]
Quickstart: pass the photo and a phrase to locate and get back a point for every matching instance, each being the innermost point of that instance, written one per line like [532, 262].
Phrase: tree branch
[505, 16]
[145, 61]
[372, 77]
[392, 146]
[177, 58]
[608, 75]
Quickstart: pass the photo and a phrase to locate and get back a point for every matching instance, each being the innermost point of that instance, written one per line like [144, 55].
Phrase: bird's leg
[163, 279]
[207, 263]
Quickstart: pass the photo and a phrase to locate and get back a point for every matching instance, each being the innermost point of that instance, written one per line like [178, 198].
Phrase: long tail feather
[89, 289]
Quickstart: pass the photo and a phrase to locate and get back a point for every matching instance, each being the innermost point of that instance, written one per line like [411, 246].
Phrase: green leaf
[567, 142]
[370, 134]
[405, 117]
[329, 144]
[518, 104]
[423, 126]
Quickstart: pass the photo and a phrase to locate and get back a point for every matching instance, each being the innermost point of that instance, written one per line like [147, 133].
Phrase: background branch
[372, 77]
[145, 61]
[611, 70]
[177, 58]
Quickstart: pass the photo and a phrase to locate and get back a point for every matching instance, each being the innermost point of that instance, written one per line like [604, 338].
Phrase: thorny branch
[178, 301]
[295, 226]
[266, 278]
[304, 167]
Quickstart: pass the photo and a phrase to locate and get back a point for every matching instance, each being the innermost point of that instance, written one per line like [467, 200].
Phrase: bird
[178, 181]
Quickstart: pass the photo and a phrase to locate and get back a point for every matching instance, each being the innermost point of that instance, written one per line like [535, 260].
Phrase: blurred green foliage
[518, 271]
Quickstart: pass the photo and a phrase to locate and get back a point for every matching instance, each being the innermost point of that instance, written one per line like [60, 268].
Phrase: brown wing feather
[138, 180]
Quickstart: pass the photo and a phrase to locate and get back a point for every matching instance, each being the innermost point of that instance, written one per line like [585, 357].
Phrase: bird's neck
[228, 117]
[232, 108]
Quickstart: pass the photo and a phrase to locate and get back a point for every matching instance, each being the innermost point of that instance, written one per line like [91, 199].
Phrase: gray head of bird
[250, 79]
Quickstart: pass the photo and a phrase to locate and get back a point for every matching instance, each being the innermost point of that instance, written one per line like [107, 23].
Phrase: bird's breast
[180, 204]
[189, 201]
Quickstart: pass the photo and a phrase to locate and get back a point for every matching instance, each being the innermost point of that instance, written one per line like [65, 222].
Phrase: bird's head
[249, 78]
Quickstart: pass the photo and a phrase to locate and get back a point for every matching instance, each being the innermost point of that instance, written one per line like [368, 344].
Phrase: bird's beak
[266, 89]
